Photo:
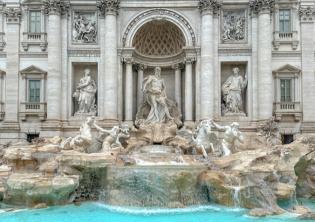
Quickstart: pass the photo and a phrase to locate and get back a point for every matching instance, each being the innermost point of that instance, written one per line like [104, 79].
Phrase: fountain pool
[98, 212]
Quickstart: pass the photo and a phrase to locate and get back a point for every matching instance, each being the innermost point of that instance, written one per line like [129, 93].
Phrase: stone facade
[197, 44]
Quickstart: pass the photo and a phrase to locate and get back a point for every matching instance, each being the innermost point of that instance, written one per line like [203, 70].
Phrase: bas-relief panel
[234, 26]
[84, 27]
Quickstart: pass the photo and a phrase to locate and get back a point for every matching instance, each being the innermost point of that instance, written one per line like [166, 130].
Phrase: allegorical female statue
[85, 94]
[232, 92]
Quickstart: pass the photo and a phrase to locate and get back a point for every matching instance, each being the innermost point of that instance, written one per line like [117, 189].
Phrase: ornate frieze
[259, 6]
[13, 14]
[234, 26]
[108, 6]
[209, 6]
[56, 6]
[84, 27]
[307, 14]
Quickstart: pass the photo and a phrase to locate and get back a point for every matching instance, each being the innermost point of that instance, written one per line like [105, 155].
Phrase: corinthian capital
[13, 14]
[306, 14]
[108, 6]
[262, 6]
[56, 6]
[209, 6]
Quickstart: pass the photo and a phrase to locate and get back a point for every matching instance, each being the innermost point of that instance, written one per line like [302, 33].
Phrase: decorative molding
[84, 53]
[13, 14]
[159, 13]
[209, 6]
[33, 70]
[306, 14]
[261, 6]
[56, 7]
[108, 6]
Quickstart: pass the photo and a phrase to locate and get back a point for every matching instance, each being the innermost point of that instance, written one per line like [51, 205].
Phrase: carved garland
[257, 6]
[159, 12]
[108, 6]
[213, 6]
[56, 6]
[13, 12]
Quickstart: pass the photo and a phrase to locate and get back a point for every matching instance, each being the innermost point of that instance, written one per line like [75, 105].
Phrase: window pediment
[33, 71]
[288, 69]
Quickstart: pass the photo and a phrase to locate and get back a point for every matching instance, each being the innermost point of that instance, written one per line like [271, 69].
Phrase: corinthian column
[307, 15]
[188, 90]
[109, 8]
[128, 90]
[12, 76]
[265, 87]
[207, 9]
[54, 9]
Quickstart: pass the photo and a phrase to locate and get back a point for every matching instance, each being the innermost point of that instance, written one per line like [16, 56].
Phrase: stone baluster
[13, 16]
[109, 8]
[128, 90]
[140, 69]
[207, 8]
[54, 9]
[178, 84]
[263, 9]
[307, 18]
[189, 90]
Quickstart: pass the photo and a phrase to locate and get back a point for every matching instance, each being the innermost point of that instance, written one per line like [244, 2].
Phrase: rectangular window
[285, 87]
[285, 20]
[35, 21]
[34, 91]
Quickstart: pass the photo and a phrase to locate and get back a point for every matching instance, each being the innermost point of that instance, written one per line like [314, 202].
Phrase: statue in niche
[232, 90]
[85, 94]
[234, 25]
[81, 142]
[156, 108]
[113, 136]
[84, 28]
[232, 134]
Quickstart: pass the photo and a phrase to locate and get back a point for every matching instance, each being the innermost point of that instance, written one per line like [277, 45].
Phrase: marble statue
[234, 26]
[85, 94]
[232, 90]
[84, 29]
[156, 108]
[112, 139]
[83, 140]
[232, 134]
[204, 138]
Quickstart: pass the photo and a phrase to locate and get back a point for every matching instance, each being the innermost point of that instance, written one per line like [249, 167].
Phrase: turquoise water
[97, 212]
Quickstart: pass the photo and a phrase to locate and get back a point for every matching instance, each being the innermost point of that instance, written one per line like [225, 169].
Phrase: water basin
[98, 212]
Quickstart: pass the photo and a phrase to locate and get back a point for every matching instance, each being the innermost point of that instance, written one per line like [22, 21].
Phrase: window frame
[283, 21]
[287, 97]
[29, 90]
[30, 21]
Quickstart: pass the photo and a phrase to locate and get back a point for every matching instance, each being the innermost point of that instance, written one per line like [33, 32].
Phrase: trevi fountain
[117, 136]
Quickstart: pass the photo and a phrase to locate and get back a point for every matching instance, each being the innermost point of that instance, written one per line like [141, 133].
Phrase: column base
[130, 123]
[189, 124]
[308, 127]
[11, 126]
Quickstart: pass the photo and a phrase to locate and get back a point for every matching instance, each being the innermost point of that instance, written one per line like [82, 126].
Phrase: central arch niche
[159, 38]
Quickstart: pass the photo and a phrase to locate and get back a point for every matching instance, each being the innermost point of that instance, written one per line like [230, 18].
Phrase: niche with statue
[234, 88]
[84, 89]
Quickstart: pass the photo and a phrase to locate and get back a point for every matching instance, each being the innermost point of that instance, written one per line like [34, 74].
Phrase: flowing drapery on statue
[156, 108]
[85, 94]
[232, 93]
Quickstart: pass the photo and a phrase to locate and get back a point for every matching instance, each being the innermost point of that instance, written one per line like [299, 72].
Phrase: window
[285, 20]
[34, 91]
[285, 87]
[35, 21]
